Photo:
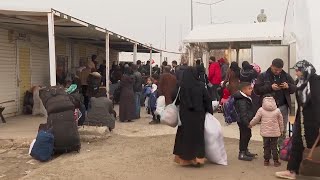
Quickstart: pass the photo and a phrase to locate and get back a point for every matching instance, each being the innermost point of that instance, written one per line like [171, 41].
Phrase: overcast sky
[144, 20]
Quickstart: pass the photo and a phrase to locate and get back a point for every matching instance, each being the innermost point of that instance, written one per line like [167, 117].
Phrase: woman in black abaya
[194, 101]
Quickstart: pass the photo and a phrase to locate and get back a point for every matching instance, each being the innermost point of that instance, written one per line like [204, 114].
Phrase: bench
[2, 109]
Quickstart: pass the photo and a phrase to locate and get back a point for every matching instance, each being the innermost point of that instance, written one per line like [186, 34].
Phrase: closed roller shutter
[61, 48]
[40, 62]
[8, 75]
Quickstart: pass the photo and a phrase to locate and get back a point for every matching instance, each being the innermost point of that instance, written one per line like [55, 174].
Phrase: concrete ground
[133, 151]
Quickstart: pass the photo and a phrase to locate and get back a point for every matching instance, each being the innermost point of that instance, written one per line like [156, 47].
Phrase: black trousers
[214, 93]
[86, 98]
[245, 136]
[270, 146]
[296, 155]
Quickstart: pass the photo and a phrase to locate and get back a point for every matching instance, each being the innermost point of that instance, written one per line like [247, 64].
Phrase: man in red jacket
[214, 78]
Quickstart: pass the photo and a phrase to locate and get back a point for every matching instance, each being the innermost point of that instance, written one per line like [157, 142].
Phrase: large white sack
[161, 104]
[31, 146]
[214, 142]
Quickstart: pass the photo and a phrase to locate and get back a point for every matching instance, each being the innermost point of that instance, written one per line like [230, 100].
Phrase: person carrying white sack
[194, 102]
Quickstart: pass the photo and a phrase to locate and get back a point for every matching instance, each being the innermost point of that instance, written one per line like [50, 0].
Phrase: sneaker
[286, 175]
[266, 163]
[244, 157]
[277, 163]
[248, 153]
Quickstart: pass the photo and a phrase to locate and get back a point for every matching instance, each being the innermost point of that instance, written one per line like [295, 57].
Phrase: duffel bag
[65, 131]
[55, 99]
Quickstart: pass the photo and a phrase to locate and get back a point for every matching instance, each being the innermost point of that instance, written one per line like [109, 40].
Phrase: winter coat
[215, 73]
[264, 83]
[311, 110]
[137, 86]
[244, 107]
[127, 101]
[147, 90]
[224, 68]
[99, 112]
[84, 76]
[271, 119]
[167, 86]
[179, 72]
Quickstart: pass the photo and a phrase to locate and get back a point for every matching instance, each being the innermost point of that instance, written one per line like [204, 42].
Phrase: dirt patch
[121, 158]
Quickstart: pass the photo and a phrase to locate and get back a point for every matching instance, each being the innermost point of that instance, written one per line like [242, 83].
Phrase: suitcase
[65, 131]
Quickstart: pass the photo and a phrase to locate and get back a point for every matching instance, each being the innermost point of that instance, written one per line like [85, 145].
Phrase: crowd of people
[258, 97]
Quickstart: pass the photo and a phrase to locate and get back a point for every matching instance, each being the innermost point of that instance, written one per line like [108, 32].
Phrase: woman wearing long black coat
[194, 102]
[307, 124]
[127, 101]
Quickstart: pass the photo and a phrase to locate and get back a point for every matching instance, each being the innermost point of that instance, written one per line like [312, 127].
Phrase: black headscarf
[235, 68]
[190, 80]
[246, 65]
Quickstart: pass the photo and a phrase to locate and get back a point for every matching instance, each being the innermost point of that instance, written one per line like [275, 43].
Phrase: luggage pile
[60, 123]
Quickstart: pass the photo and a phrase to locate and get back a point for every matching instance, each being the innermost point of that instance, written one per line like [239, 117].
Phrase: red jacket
[215, 74]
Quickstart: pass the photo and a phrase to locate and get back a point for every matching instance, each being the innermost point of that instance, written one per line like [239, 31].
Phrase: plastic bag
[31, 146]
[170, 114]
[214, 142]
[215, 105]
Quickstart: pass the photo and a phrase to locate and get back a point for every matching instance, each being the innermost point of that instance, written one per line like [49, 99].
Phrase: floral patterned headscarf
[303, 85]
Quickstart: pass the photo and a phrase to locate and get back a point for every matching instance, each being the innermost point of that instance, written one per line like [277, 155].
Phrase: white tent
[268, 31]
[302, 30]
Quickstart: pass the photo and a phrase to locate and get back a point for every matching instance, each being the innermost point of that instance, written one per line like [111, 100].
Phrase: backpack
[230, 112]
[285, 149]
[42, 149]
[65, 131]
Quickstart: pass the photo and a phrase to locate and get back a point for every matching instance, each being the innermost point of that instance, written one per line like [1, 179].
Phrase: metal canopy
[236, 36]
[67, 27]
[238, 45]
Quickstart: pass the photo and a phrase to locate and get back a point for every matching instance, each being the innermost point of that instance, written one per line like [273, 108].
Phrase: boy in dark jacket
[244, 107]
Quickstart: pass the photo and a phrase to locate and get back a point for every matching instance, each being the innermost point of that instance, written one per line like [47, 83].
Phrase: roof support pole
[161, 58]
[229, 52]
[151, 61]
[205, 60]
[191, 56]
[107, 62]
[237, 55]
[52, 49]
[135, 51]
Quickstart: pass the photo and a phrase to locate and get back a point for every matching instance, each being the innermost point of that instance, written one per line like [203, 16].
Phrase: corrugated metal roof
[268, 31]
[67, 26]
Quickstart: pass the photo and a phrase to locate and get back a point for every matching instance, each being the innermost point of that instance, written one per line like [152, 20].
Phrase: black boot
[244, 157]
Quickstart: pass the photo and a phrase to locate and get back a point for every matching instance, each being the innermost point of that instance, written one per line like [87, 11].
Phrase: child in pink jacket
[271, 128]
